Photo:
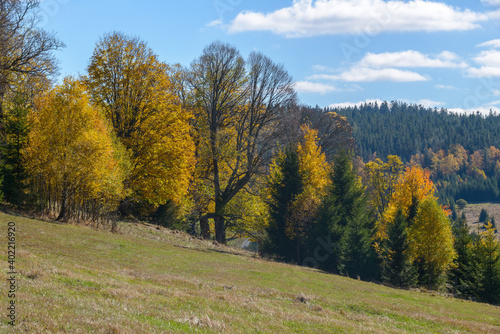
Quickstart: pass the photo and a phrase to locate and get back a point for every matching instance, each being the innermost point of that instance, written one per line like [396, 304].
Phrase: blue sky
[434, 53]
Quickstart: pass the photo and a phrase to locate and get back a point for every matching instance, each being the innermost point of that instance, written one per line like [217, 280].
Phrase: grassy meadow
[74, 279]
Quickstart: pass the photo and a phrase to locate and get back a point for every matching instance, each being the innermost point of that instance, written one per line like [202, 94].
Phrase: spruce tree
[398, 269]
[483, 216]
[284, 185]
[464, 272]
[489, 264]
[16, 130]
[344, 221]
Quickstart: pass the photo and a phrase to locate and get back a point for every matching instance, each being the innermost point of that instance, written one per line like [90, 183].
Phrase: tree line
[404, 129]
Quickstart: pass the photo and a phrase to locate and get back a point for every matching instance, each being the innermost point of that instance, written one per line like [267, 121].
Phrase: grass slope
[473, 211]
[74, 279]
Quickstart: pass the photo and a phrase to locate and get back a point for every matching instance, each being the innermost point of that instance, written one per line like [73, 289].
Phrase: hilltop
[148, 280]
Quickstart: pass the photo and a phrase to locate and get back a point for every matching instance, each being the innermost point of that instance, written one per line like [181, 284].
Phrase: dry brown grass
[74, 279]
[472, 212]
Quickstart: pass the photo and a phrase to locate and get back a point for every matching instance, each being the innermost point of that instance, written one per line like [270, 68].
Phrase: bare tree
[334, 130]
[25, 49]
[242, 107]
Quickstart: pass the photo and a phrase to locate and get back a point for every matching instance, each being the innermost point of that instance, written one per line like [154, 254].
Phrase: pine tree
[483, 216]
[397, 269]
[488, 249]
[16, 129]
[285, 184]
[463, 273]
[344, 219]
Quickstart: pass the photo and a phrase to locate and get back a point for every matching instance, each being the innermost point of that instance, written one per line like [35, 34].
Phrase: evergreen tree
[285, 184]
[464, 272]
[344, 219]
[16, 129]
[398, 269]
[488, 250]
[483, 216]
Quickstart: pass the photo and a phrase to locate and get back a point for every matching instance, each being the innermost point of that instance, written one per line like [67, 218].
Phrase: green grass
[74, 279]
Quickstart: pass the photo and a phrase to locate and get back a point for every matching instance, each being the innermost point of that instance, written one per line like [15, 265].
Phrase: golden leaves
[133, 87]
[313, 170]
[71, 149]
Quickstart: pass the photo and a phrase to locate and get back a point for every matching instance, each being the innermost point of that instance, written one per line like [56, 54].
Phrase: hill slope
[77, 280]
[404, 130]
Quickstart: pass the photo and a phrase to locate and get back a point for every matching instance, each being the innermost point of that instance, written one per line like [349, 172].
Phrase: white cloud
[488, 58]
[447, 87]
[425, 103]
[429, 103]
[314, 87]
[490, 64]
[496, 92]
[412, 59]
[492, 2]
[356, 104]
[484, 72]
[215, 23]
[364, 74]
[493, 43]
[321, 68]
[329, 17]
[485, 110]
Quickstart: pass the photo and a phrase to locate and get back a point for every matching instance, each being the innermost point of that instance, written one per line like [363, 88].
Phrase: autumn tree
[241, 110]
[334, 130]
[313, 170]
[431, 242]
[75, 165]
[428, 231]
[133, 88]
[296, 191]
[381, 179]
[25, 49]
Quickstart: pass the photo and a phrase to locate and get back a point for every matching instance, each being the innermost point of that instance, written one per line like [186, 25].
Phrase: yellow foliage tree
[134, 89]
[313, 169]
[381, 179]
[429, 231]
[73, 161]
[431, 240]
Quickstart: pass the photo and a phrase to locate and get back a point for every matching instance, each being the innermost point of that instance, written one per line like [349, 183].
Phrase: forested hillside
[404, 129]
[460, 151]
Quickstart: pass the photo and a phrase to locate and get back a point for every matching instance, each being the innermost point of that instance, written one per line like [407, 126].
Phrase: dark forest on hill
[460, 150]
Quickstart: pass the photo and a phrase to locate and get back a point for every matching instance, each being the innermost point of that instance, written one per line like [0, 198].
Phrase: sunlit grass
[77, 280]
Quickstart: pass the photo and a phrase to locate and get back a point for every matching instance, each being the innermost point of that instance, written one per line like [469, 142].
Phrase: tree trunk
[64, 206]
[204, 228]
[220, 229]
[2, 96]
